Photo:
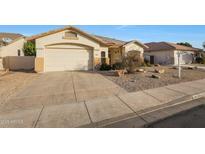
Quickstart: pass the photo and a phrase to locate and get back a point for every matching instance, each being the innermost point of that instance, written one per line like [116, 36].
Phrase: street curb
[141, 113]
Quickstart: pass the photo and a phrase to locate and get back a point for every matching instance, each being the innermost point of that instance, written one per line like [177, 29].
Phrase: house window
[103, 58]
[70, 35]
[19, 52]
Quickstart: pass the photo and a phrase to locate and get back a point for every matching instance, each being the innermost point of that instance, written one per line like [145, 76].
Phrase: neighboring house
[70, 48]
[6, 38]
[10, 45]
[165, 53]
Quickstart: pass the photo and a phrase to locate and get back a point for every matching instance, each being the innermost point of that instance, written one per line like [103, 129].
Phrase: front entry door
[151, 59]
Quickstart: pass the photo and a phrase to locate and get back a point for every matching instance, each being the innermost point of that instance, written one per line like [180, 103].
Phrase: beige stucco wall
[12, 49]
[18, 62]
[58, 41]
[167, 57]
[59, 38]
[118, 53]
[161, 57]
[1, 64]
[133, 46]
[39, 64]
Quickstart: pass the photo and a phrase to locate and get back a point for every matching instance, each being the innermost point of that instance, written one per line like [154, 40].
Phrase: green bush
[146, 64]
[200, 60]
[105, 67]
[29, 49]
[118, 66]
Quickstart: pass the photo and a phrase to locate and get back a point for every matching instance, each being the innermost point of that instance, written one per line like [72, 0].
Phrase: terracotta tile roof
[160, 46]
[182, 47]
[110, 41]
[62, 29]
[116, 43]
[11, 36]
[139, 43]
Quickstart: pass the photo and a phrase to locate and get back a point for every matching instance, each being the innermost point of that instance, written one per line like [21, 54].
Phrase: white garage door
[186, 58]
[68, 59]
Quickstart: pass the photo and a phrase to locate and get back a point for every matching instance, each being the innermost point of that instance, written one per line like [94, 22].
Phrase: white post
[179, 65]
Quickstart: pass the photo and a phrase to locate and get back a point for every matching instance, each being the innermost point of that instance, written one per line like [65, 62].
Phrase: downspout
[93, 59]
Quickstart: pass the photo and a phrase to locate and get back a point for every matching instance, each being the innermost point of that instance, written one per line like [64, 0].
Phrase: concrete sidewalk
[101, 112]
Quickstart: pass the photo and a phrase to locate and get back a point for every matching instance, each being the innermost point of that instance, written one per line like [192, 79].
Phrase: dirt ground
[12, 82]
[141, 81]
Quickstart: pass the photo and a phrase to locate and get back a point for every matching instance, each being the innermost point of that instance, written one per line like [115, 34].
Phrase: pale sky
[144, 33]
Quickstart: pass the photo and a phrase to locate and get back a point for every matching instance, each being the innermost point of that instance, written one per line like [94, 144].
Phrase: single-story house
[70, 48]
[11, 44]
[6, 38]
[166, 53]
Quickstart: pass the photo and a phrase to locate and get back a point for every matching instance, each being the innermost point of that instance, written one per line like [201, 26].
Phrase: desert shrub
[118, 66]
[105, 67]
[201, 59]
[146, 64]
[132, 62]
[149, 65]
[146, 61]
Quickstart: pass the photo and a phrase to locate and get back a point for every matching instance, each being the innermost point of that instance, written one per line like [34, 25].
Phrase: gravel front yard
[141, 81]
[12, 82]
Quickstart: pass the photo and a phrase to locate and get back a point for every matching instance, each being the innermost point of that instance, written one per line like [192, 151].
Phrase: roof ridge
[10, 33]
[169, 44]
[109, 38]
[138, 42]
[62, 29]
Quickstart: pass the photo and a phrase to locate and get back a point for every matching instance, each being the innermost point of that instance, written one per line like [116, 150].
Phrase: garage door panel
[186, 58]
[68, 59]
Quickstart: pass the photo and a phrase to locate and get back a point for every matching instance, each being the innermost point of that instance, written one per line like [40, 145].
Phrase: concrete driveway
[82, 99]
[63, 88]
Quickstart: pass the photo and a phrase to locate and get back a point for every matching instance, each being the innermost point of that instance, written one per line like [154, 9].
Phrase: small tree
[203, 46]
[132, 61]
[185, 44]
[29, 49]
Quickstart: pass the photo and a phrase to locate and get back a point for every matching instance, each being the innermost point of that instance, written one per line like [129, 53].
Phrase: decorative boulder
[155, 76]
[192, 67]
[160, 71]
[157, 65]
[120, 73]
[140, 70]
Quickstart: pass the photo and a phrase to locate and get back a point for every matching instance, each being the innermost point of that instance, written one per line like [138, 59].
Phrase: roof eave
[62, 29]
[137, 42]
